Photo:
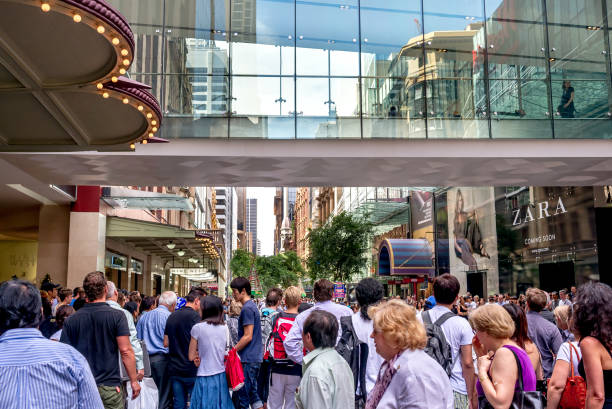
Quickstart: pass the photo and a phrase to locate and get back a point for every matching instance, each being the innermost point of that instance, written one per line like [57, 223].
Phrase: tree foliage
[282, 270]
[338, 250]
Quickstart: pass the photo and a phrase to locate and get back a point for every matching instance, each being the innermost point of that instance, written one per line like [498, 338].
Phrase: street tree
[338, 249]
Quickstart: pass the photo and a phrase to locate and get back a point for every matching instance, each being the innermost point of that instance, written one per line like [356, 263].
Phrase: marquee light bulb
[122, 71]
[149, 115]
[114, 79]
[115, 41]
[105, 95]
[45, 7]
[132, 146]
[124, 52]
[144, 141]
[125, 100]
[99, 85]
[154, 129]
[154, 122]
[150, 135]
[126, 62]
[101, 29]
[76, 18]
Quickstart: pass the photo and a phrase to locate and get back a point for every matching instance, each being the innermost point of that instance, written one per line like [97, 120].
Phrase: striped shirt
[38, 373]
[151, 327]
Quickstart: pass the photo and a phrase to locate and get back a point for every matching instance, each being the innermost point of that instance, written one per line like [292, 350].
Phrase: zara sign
[536, 211]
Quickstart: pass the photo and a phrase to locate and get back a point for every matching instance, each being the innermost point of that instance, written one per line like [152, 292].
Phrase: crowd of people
[95, 347]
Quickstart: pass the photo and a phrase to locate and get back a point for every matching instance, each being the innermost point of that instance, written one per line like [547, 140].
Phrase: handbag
[574, 394]
[233, 371]
[522, 399]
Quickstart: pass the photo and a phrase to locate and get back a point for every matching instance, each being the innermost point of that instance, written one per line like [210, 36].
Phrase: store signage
[339, 290]
[537, 211]
[188, 271]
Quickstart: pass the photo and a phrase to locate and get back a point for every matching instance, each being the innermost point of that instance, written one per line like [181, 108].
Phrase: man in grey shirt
[545, 335]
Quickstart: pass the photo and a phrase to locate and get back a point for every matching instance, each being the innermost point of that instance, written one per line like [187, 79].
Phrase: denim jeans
[248, 393]
[181, 387]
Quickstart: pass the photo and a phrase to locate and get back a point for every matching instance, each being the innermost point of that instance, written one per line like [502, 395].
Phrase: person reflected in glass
[468, 238]
[566, 109]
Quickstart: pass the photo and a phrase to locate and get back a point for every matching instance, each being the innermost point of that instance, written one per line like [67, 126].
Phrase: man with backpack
[356, 345]
[449, 342]
[284, 373]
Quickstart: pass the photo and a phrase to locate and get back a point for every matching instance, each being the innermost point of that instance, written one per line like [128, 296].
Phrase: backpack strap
[426, 318]
[444, 318]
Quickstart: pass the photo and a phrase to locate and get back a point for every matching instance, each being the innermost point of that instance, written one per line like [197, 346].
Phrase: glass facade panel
[196, 37]
[327, 34]
[391, 38]
[263, 37]
[365, 69]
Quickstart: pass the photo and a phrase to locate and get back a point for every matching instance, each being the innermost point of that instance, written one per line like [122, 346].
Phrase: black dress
[607, 374]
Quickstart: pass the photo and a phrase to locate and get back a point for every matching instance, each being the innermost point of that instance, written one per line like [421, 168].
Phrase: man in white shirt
[564, 299]
[322, 291]
[458, 334]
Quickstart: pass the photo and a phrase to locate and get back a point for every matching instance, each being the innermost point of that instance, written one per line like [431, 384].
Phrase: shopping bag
[233, 370]
[148, 397]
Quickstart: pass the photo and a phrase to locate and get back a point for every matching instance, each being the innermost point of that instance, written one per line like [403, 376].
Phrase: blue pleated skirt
[211, 392]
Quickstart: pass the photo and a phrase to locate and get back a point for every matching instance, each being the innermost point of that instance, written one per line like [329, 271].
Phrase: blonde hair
[235, 308]
[492, 319]
[293, 296]
[399, 325]
[562, 314]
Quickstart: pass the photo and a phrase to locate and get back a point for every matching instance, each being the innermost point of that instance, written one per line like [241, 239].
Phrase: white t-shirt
[56, 335]
[564, 354]
[212, 342]
[363, 329]
[458, 332]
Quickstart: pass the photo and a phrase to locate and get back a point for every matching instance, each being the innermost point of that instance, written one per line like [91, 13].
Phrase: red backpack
[275, 350]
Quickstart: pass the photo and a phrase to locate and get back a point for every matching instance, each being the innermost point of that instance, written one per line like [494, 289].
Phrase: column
[87, 236]
[53, 239]
[146, 276]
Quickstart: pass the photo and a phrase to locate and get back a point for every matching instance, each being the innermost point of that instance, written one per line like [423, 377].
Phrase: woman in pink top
[499, 357]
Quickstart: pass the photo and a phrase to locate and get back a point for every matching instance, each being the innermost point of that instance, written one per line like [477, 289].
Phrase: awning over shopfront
[191, 251]
[405, 257]
[124, 198]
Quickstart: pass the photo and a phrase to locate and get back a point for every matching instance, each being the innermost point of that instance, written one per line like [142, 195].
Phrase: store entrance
[556, 276]
[475, 283]
[603, 221]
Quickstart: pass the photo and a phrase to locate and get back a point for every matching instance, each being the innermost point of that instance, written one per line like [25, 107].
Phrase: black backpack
[354, 352]
[437, 346]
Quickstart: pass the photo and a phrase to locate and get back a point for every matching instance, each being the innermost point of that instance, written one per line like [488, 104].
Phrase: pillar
[53, 239]
[87, 236]
[146, 276]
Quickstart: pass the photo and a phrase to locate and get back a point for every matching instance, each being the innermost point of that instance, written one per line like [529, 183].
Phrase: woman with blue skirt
[207, 349]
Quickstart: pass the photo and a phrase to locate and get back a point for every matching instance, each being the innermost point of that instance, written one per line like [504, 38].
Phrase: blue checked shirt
[37, 373]
[150, 328]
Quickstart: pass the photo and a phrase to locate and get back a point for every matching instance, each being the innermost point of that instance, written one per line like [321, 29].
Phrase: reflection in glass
[263, 37]
[328, 97]
[327, 34]
[385, 32]
[199, 95]
[196, 37]
[392, 97]
[263, 127]
[582, 109]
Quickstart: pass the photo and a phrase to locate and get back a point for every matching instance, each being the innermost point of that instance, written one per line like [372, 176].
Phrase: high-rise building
[251, 223]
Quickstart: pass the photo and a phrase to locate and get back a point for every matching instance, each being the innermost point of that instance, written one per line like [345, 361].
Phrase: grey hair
[111, 289]
[167, 298]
